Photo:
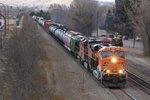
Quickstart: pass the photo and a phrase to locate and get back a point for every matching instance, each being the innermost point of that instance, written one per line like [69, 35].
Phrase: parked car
[125, 37]
[1, 26]
[138, 38]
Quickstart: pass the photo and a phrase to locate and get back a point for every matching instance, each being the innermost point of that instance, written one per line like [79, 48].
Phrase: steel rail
[129, 95]
[139, 81]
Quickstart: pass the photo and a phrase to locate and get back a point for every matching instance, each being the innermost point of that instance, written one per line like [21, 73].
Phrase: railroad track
[140, 68]
[128, 94]
[121, 94]
[144, 85]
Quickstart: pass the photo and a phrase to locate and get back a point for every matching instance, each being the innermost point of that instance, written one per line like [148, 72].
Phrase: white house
[1, 23]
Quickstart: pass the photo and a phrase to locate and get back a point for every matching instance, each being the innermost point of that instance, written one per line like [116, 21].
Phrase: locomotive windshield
[119, 54]
[106, 54]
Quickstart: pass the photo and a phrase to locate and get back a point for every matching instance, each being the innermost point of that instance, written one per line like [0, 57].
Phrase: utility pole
[8, 18]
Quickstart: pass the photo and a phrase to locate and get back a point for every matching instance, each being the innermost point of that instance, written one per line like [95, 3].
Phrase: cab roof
[112, 48]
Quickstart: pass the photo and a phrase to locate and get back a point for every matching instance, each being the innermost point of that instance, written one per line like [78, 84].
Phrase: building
[10, 23]
[1, 23]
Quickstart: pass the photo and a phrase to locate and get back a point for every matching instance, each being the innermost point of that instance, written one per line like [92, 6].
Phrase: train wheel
[80, 60]
[90, 69]
[76, 56]
[105, 84]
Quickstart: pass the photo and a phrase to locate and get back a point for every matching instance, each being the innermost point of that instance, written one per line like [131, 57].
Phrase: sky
[39, 2]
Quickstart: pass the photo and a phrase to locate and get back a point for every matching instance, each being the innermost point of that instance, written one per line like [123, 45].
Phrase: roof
[112, 48]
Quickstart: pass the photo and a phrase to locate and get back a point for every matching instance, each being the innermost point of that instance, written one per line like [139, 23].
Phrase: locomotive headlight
[120, 71]
[114, 60]
[107, 71]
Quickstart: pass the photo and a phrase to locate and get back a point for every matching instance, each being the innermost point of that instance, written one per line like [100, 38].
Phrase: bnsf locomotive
[107, 63]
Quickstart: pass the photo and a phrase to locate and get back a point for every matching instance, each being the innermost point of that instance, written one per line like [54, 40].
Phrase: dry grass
[25, 78]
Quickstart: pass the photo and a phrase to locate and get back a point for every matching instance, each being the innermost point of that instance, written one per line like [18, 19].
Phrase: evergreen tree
[125, 13]
[109, 21]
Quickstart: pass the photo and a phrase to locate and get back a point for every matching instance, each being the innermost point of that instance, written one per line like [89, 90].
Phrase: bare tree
[140, 17]
[143, 25]
[58, 13]
[24, 75]
[83, 15]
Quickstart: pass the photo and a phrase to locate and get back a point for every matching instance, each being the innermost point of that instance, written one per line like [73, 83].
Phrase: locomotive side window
[119, 54]
[106, 54]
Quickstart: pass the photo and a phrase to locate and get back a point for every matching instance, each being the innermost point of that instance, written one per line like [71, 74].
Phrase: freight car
[47, 24]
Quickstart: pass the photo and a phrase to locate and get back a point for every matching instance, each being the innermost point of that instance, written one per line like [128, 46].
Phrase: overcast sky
[39, 2]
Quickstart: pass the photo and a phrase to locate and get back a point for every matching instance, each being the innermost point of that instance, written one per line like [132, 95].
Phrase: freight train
[106, 62]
